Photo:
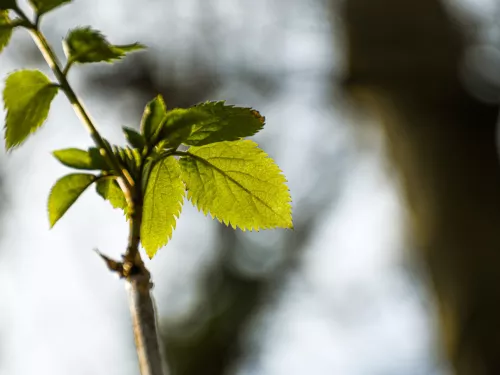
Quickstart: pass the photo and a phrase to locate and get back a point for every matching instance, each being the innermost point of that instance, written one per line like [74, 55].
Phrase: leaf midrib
[205, 161]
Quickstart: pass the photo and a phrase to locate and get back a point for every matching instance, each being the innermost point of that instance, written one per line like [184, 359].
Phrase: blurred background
[382, 115]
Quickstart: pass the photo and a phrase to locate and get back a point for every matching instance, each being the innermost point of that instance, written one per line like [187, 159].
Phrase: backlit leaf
[238, 184]
[65, 192]
[152, 119]
[129, 158]
[178, 125]
[80, 159]
[44, 6]
[134, 138]
[86, 45]
[5, 29]
[27, 98]
[224, 123]
[162, 204]
[110, 191]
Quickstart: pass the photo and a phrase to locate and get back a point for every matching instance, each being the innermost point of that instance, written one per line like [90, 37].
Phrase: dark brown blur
[404, 64]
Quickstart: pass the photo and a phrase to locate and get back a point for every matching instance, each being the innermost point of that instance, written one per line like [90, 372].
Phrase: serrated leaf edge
[227, 222]
[180, 204]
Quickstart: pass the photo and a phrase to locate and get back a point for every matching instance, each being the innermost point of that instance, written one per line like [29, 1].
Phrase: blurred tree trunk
[403, 61]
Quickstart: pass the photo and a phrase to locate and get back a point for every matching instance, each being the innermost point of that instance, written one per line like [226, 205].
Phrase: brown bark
[403, 61]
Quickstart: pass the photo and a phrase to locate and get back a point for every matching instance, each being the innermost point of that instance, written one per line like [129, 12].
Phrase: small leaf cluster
[198, 151]
[28, 94]
[226, 176]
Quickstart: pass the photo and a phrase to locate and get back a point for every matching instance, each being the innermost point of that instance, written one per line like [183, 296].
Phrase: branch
[125, 180]
[144, 321]
[132, 268]
[141, 304]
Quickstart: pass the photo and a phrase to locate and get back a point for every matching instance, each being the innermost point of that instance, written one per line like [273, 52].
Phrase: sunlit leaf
[80, 159]
[224, 123]
[109, 190]
[152, 119]
[238, 184]
[98, 160]
[162, 204]
[65, 192]
[27, 98]
[5, 29]
[44, 6]
[178, 125]
[86, 45]
[129, 158]
[134, 138]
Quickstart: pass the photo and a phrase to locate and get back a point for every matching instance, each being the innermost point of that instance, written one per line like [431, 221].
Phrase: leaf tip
[52, 219]
[258, 116]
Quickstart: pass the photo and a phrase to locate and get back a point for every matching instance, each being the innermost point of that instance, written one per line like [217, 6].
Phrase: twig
[138, 278]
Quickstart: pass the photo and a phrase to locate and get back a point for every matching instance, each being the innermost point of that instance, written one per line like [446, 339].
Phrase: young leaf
[27, 97]
[44, 6]
[135, 139]
[110, 191]
[225, 123]
[130, 158]
[238, 184]
[65, 192]
[80, 159]
[85, 45]
[152, 118]
[178, 125]
[162, 203]
[5, 29]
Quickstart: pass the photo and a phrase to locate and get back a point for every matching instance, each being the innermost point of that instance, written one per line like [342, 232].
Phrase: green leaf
[162, 203]
[238, 184]
[65, 192]
[225, 123]
[27, 97]
[152, 119]
[8, 4]
[86, 45]
[110, 191]
[98, 160]
[134, 138]
[5, 29]
[178, 125]
[81, 159]
[146, 171]
[130, 158]
[44, 6]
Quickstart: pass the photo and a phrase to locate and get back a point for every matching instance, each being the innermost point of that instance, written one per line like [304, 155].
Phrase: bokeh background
[382, 115]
